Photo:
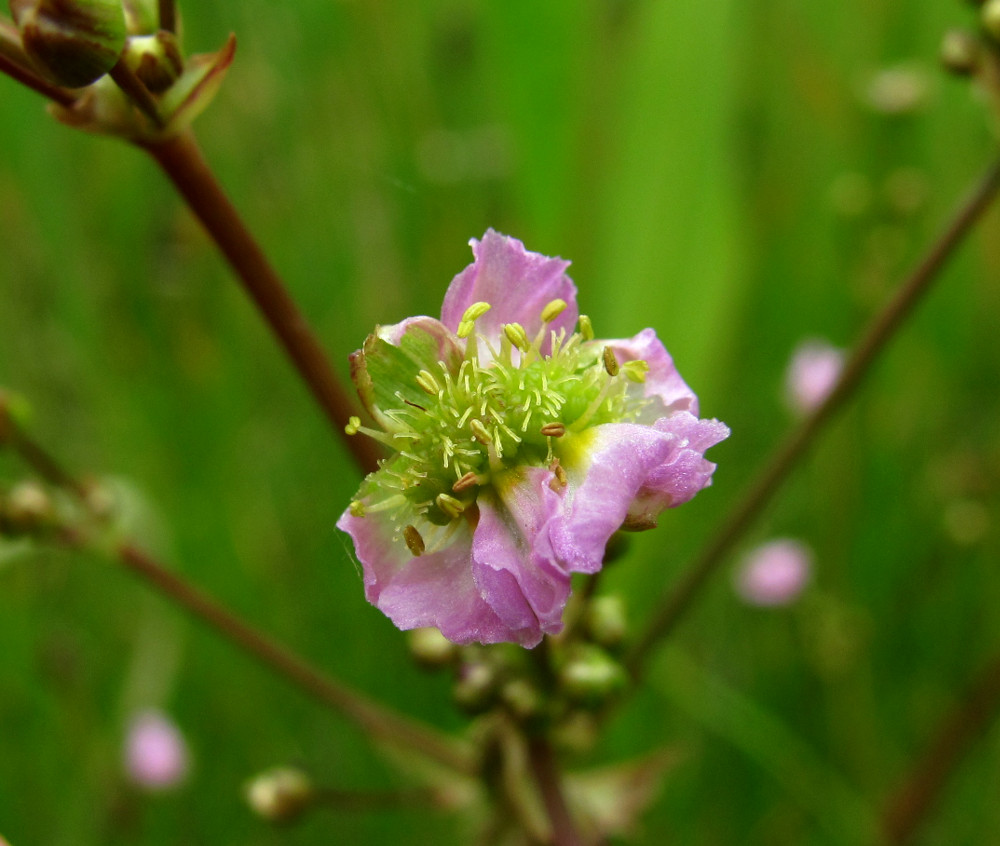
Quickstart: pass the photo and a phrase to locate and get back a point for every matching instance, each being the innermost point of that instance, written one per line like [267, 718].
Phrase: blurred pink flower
[156, 754]
[812, 373]
[774, 573]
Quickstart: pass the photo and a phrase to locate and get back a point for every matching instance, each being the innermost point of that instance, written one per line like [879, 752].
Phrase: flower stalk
[679, 600]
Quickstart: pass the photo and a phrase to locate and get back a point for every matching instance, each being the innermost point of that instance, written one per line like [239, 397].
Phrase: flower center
[511, 401]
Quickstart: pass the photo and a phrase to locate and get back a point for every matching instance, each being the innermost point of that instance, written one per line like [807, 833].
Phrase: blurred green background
[739, 176]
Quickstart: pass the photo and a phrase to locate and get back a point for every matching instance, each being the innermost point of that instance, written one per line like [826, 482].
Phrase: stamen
[357, 508]
[553, 310]
[561, 480]
[428, 383]
[586, 328]
[449, 505]
[414, 542]
[517, 336]
[469, 480]
[480, 432]
[610, 362]
[475, 311]
[553, 430]
[636, 370]
[353, 425]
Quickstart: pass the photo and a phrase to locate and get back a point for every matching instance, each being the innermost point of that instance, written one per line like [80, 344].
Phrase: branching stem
[676, 602]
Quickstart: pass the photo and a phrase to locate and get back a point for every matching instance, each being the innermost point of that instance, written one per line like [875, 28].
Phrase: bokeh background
[740, 176]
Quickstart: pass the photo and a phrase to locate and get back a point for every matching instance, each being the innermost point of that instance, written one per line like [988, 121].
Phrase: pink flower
[521, 444]
[156, 755]
[774, 574]
[812, 373]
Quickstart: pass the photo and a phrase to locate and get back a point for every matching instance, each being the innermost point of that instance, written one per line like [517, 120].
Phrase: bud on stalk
[71, 42]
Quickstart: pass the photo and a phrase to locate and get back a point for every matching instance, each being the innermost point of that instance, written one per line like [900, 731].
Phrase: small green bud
[26, 509]
[989, 16]
[71, 42]
[591, 676]
[280, 795]
[156, 60]
[475, 689]
[430, 648]
[960, 51]
[606, 621]
[521, 698]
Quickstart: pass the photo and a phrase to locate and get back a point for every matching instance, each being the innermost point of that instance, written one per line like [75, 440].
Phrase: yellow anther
[635, 371]
[516, 335]
[357, 508]
[480, 432]
[586, 328]
[414, 542]
[467, 481]
[449, 505]
[610, 362]
[553, 430]
[465, 328]
[475, 311]
[553, 310]
[427, 382]
[353, 425]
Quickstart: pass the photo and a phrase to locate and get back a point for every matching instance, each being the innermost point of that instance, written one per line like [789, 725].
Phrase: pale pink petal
[434, 589]
[812, 373]
[517, 283]
[774, 574]
[156, 755]
[663, 382]
[448, 345]
[606, 466]
[515, 575]
[683, 472]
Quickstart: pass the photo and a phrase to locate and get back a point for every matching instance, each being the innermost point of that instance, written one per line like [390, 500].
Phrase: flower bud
[280, 795]
[430, 648]
[605, 620]
[156, 60]
[475, 688]
[989, 16]
[71, 42]
[591, 676]
[960, 52]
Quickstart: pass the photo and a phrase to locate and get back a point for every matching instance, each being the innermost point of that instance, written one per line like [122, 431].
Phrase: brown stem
[908, 806]
[168, 15]
[380, 722]
[675, 603]
[182, 161]
[547, 775]
[137, 91]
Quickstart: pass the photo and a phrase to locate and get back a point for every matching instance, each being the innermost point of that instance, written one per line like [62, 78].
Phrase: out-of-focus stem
[548, 777]
[168, 15]
[182, 162]
[674, 604]
[908, 806]
[377, 720]
[380, 722]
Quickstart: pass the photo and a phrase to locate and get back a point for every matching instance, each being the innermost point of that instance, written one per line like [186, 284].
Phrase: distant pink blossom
[774, 574]
[156, 754]
[521, 444]
[812, 373]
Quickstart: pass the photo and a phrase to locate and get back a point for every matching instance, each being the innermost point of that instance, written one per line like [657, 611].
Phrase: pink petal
[516, 282]
[774, 574]
[812, 373]
[156, 755]
[606, 466]
[662, 381]
[683, 472]
[436, 589]
[514, 572]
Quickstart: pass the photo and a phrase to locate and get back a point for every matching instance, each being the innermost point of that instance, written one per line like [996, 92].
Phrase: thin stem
[674, 604]
[15, 64]
[137, 91]
[168, 15]
[546, 772]
[183, 163]
[908, 806]
[379, 721]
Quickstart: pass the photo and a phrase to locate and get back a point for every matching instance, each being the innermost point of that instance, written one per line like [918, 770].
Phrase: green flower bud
[280, 795]
[156, 60]
[591, 676]
[989, 15]
[606, 621]
[71, 42]
[26, 509]
[960, 51]
[430, 648]
[476, 687]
